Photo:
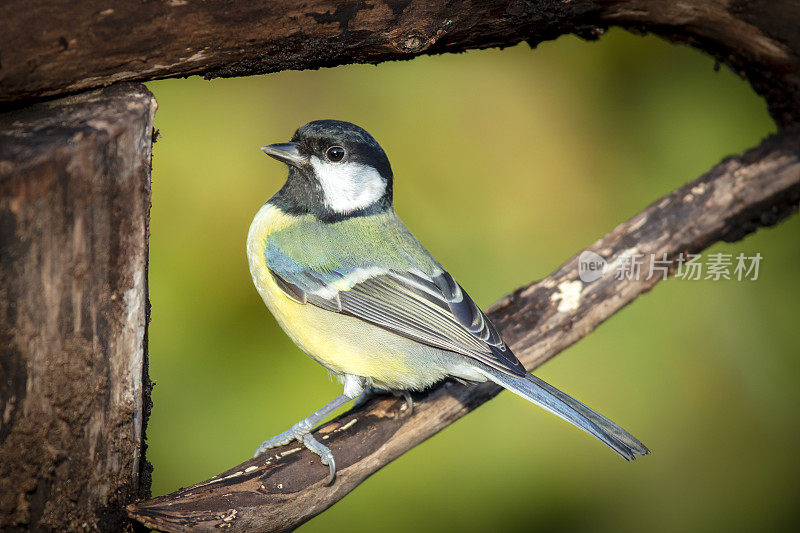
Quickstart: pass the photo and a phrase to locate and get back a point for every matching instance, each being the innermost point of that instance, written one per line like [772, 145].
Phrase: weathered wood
[50, 47]
[286, 487]
[74, 394]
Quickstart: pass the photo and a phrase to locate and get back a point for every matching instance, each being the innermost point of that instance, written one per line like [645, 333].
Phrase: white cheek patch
[348, 186]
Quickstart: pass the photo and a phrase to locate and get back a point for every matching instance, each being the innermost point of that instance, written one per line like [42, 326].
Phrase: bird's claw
[325, 454]
[301, 433]
[409, 402]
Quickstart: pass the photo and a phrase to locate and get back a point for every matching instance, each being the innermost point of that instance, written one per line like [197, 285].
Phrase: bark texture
[287, 486]
[74, 393]
[50, 47]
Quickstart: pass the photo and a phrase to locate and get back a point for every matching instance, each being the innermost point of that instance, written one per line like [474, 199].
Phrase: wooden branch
[50, 47]
[280, 491]
[74, 206]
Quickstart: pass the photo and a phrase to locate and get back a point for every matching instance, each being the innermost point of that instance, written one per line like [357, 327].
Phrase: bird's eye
[335, 153]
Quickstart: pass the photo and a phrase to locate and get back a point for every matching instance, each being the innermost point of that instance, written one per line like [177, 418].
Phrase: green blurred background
[506, 163]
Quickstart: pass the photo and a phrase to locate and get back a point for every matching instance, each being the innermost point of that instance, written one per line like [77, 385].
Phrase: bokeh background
[506, 163]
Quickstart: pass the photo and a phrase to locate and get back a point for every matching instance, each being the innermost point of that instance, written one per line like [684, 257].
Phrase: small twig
[282, 490]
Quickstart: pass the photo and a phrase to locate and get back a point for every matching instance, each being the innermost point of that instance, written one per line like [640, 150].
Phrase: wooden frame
[107, 134]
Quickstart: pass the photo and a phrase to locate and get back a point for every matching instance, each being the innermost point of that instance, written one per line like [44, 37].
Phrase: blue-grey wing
[430, 309]
[304, 285]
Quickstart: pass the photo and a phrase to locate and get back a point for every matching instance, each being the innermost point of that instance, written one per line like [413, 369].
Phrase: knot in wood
[415, 43]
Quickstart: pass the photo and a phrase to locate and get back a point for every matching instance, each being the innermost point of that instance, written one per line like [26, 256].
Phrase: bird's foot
[301, 432]
[409, 401]
[366, 396]
[373, 391]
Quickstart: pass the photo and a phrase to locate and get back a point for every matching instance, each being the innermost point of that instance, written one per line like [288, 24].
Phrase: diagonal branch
[280, 491]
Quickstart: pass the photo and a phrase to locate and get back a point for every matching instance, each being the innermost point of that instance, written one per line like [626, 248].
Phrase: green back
[329, 251]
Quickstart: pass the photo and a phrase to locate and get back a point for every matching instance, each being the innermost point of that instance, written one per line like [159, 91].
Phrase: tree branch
[79, 45]
[281, 490]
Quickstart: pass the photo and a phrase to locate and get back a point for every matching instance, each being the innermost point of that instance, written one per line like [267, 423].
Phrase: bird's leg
[367, 395]
[302, 432]
[372, 391]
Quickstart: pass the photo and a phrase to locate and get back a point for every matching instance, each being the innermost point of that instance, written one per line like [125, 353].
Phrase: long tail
[550, 398]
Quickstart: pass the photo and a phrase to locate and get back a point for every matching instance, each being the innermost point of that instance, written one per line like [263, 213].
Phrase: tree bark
[74, 392]
[287, 486]
[49, 47]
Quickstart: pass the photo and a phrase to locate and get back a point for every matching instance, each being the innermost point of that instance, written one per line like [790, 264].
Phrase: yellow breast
[343, 344]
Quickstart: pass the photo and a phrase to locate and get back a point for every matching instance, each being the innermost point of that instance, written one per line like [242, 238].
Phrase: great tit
[355, 290]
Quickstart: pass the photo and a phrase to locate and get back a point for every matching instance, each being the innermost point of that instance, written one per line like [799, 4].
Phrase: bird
[355, 290]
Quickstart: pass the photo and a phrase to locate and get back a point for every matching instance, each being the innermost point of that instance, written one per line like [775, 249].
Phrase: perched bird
[355, 290]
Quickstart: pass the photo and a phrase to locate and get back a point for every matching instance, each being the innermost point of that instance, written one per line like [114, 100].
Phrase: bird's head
[336, 170]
